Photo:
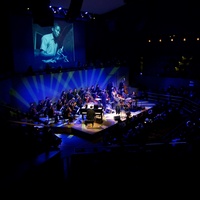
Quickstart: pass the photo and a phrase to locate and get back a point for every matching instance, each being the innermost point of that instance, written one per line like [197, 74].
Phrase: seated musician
[90, 117]
[134, 98]
[121, 85]
[124, 95]
[67, 112]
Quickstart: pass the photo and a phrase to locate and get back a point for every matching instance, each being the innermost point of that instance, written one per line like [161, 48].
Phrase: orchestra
[71, 102]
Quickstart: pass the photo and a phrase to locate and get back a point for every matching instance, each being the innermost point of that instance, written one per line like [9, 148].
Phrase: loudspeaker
[116, 118]
[74, 10]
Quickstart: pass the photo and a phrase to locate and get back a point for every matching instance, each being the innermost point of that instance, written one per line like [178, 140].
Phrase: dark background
[118, 38]
[119, 34]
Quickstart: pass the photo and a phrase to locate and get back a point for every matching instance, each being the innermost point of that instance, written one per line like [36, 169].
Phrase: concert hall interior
[100, 99]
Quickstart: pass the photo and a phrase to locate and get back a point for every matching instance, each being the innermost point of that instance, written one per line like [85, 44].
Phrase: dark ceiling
[165, 13]
[155, 15]
[96, 7]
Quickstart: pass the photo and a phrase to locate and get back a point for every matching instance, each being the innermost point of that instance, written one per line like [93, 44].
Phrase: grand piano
[98, 111]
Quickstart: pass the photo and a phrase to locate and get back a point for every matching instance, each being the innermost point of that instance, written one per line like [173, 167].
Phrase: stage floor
[78, 126]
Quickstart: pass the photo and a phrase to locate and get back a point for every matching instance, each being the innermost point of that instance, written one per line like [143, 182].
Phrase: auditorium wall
[20, 91]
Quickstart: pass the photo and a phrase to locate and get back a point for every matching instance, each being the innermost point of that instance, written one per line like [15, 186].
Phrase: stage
[107, 121]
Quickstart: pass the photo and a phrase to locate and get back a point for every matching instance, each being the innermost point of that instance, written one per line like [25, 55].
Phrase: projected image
[53, 46]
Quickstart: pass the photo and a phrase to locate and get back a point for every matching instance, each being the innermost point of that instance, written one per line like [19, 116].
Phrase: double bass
[122, 86]
[125, 89]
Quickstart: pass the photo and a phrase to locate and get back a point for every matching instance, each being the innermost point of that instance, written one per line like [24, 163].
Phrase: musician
[70, 94]
[73, 106]
[103, 96]
[113, 92]
[134, 98]
[109, 89]
[33, 113]
[121, 85]
[75, 93]
[79, 102]
[97, 89]
[116, 99]
[50, 111]
[88, 97]
[124, 95]
[63, 95]
[67, 112]
[92, 91]
[81, 93]
[59, 104]
[90, 115]
[40, 106]
[47, 102]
